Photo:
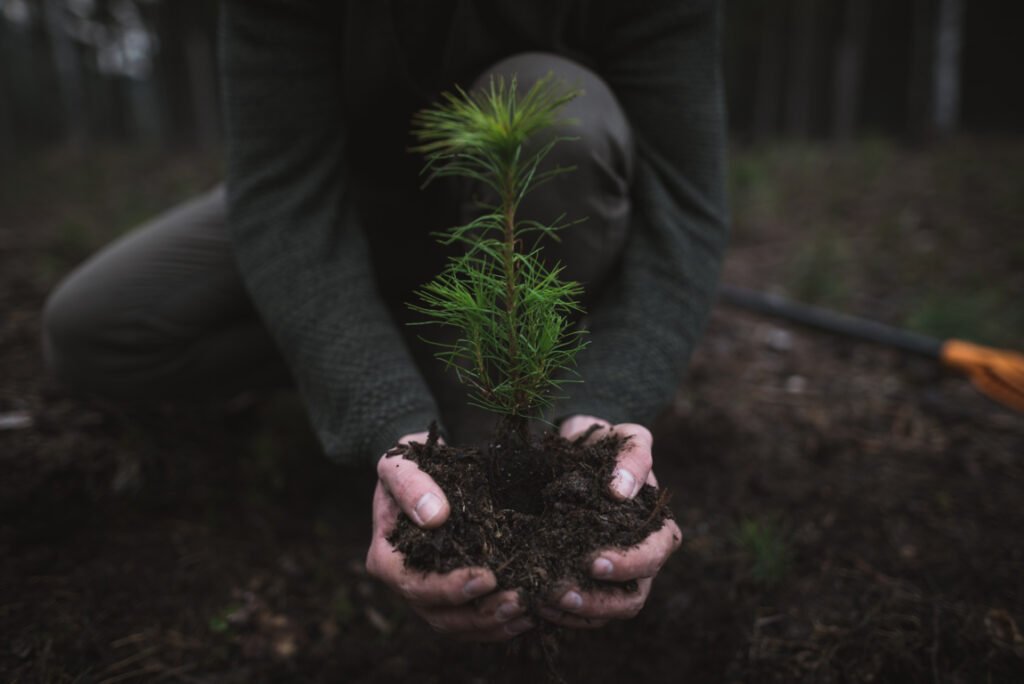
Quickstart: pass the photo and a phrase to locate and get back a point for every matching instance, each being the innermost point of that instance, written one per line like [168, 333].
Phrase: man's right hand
[463, 602]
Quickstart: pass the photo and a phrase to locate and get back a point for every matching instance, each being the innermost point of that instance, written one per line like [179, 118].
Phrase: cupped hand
[463, 602]
[573, 607]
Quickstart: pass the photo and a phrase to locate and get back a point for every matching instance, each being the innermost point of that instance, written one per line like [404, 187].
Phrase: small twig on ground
[130, 639]
[152, 668]
[131, 660]
[506, 563]
[663, 499]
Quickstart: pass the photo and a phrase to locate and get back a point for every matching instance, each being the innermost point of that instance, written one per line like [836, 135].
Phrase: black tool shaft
[830, 321]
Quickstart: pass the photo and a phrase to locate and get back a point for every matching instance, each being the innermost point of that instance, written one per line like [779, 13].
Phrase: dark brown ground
[849, 516]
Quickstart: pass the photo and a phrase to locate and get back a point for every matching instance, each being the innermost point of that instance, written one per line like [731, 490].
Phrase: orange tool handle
[997, 373]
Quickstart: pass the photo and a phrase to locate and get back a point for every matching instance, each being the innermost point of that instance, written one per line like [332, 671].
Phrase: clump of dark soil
[534, 515]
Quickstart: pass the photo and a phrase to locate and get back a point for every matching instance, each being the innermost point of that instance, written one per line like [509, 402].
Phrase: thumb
[416, 493]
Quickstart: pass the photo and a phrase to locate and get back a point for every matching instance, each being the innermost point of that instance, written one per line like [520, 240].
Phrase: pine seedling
[513, 313]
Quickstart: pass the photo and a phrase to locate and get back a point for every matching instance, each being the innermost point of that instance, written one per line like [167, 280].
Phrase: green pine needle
[513, 313]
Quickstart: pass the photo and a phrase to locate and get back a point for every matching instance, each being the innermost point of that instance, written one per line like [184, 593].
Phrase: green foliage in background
[513, 313]
[924, 238]
[988, 316]
[765, 547]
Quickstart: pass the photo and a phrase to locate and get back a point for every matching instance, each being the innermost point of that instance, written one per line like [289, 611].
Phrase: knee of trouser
[601, 153]
[65, 334]
[603, 144]
[83, 346]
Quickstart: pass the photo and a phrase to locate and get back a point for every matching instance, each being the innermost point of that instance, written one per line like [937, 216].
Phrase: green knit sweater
[318, 97]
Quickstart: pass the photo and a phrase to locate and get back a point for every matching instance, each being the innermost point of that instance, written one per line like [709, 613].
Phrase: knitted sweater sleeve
[661, 61]
[299, 247]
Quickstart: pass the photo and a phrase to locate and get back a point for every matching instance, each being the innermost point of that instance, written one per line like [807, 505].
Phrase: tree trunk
[849, 69]
[8, 140]
[919, 86]
[945, 100]
[768, 96]
[69, 75]
[801, 73]
[201, 70]
[146, 119]
[171, 73]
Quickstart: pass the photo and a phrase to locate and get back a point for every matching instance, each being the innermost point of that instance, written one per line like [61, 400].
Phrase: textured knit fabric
[318, 97]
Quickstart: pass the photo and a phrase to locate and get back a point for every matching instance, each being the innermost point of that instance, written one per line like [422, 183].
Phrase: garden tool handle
[996, 373]
[831, 321]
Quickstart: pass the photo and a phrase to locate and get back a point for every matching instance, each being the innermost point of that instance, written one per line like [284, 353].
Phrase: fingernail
[519, 626]
[427, 508]
[571, 601]
[478, 586]
[506, 611]
[624, 483]
[602, 568]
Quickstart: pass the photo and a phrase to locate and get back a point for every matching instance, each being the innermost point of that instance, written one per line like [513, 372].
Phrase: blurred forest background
[849, 514]
[143, 71]
[858, 126]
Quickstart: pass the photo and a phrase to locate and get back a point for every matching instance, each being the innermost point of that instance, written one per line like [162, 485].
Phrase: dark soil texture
[848, 514]
[535, 517]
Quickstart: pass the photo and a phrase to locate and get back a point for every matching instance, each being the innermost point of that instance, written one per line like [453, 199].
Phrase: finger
[645, 560]
[563, 619]
[417, 494]
[489, 614]
[384, 562]
[611, 604]
[634, 460]
[426, 589]
[574, 426]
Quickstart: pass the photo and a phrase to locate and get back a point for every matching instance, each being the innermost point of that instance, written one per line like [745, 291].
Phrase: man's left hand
[573, 607]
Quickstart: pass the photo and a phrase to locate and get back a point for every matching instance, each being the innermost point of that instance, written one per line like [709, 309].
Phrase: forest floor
[850, 515]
